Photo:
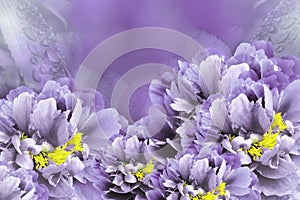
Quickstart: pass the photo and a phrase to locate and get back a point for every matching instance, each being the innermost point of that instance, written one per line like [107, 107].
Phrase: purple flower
[124, 169]
[174, 93]
[182, 95]
[20, 184]
[247, 106]
[54, 132]
[208, 176]
[250, 106]
[264, 67]
[244, 124]
[195, 82]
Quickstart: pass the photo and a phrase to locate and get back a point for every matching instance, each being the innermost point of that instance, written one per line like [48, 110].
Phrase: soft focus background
[71, 29]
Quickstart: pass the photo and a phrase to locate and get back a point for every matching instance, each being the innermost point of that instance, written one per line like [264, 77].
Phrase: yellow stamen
[76, 142]
[209, 196]
[212, 195]
[40, 160]
[231, 137]
[277, 123]
[185, 183]
[59, 154]
[254, 151]
[269, 139]
[149, 167]
[23, 137]
[140, 174]
[221, 189]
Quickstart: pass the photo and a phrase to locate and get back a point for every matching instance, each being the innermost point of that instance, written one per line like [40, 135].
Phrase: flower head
[255, 120]
[53, 132]
[210, 176]
[126, 168]
[20, 184]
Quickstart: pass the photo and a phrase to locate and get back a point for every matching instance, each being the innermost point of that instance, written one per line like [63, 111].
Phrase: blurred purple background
[73, 28]
[219, 24]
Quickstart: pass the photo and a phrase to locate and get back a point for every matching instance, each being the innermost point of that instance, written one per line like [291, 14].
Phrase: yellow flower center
[59, 154]
[40, 160]
[141, 173]
[23, 137]
[231, 137]
[268, 140]
[212, 195]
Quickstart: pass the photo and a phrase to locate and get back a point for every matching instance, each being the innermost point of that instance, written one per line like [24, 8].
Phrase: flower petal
[200, 170]
[9, 187]
[185, 164]
[129, 178]
[51, 124]
[290, 103]
[24, 161]
[279, 187]
[75, 166]
[22, 107]
[248, 115]
[15, 140]
[210, 75]
[284, 168]
[238, 181]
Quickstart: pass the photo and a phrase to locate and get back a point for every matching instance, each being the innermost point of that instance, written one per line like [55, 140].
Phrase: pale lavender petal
[30, 144]
[238, 181]
[118, 148]
[266, 46]
[24, 161]
[22, 107]
[91, 98]
[52, 169]
[154, 194]
[86, 191]
[133, 147]
[19, 90]
[219, 115]
[210, 75]
[200, 170]
[108, 122]
[7, 155]
[62, 190]
[50, 123]
[240, 142]
[286, 143]
[118, 180]
[29, 195]
[284, 169]
[185, 165]
[232, 74]
[279, 187]
[129, 178]
[75, 166]
[3, 172]
[182, 105]
[9, 187]
[76, 114]
[16, 142]
[290, 103]
[248, 115]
